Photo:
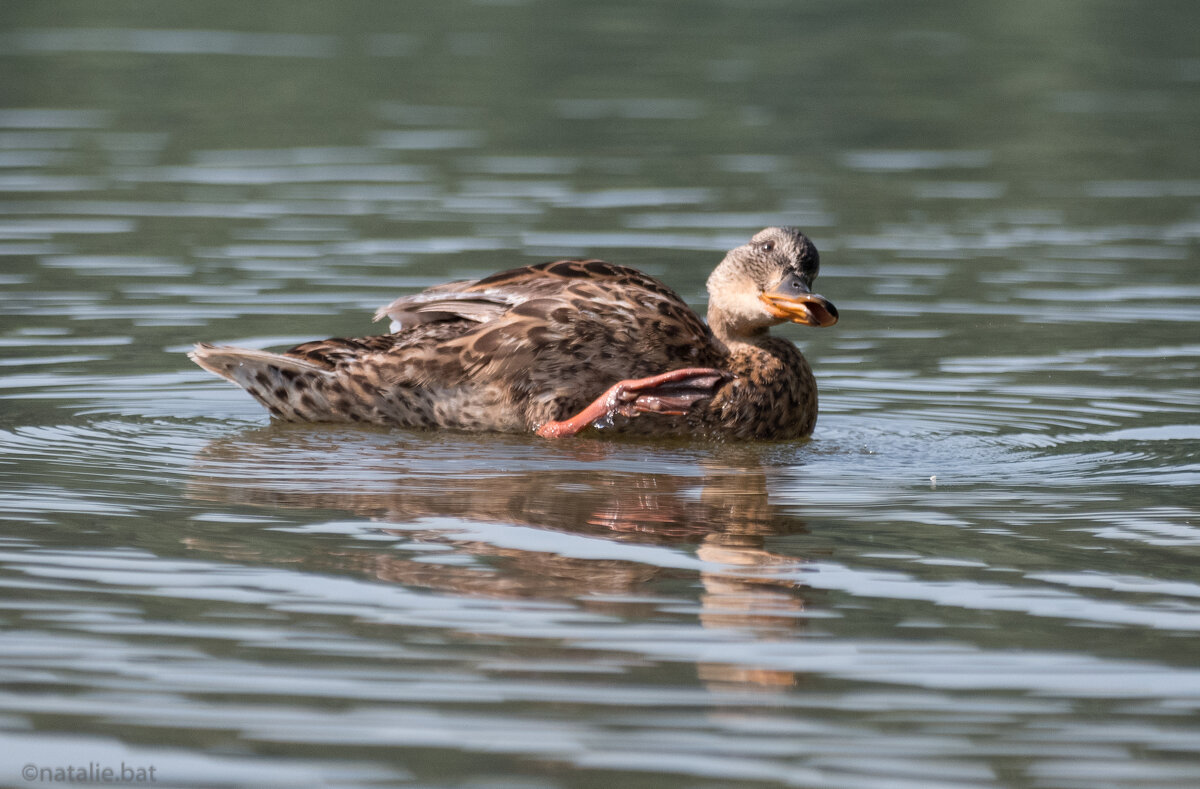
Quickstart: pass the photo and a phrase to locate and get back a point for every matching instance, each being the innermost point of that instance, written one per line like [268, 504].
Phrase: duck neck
[734, 334]
[773, 388]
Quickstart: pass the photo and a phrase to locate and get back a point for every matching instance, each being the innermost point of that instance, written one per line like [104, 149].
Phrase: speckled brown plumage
[526, 348]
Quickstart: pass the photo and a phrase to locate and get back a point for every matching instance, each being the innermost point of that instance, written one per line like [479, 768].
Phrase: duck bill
[807, 308]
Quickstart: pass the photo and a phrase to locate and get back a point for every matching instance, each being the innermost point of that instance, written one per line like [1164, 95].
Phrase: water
[981, 571]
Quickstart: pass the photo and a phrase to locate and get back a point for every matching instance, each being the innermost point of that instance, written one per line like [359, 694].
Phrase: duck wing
[554, 327]
[488, 299]
[578, 325]
[448, 302]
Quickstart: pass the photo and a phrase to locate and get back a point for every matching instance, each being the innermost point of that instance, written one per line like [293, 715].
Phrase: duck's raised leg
[670, 393]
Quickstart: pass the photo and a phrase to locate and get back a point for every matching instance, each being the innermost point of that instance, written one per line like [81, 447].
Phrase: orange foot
[671, 393]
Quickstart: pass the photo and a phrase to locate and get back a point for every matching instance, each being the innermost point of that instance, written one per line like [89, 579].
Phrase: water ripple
[166, 42]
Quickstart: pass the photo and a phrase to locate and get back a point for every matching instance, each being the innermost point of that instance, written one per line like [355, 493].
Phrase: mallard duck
[559, 347]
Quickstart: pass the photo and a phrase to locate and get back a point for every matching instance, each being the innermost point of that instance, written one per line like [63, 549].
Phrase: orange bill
[807, 308]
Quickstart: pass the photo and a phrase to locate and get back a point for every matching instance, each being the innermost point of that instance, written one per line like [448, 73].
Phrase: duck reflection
[715, 499]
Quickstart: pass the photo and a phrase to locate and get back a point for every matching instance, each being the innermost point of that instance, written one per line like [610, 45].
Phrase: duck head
[767, 282]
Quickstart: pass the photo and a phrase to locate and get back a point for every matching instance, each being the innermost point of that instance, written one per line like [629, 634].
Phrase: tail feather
[290, 388]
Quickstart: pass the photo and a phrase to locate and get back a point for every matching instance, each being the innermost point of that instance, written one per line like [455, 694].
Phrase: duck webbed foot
[671, 394]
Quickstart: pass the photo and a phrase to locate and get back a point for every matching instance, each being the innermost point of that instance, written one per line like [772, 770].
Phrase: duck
[566, 347]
